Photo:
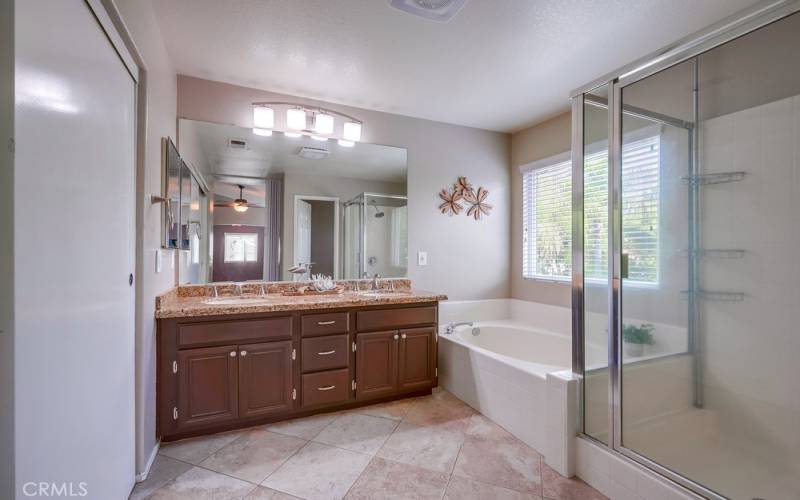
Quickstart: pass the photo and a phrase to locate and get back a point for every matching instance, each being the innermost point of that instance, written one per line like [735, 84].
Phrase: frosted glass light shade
[352, 131]
[263, 117]
[323, 124]
[296, 118]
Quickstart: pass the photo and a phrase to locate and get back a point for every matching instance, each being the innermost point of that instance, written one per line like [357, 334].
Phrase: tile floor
[432, 447]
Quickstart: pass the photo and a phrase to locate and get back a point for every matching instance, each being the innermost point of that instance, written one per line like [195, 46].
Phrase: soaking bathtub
[499, 366]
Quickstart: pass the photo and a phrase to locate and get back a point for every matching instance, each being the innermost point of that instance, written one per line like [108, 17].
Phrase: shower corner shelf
[717, 178]
[715, 253]
[714, 296]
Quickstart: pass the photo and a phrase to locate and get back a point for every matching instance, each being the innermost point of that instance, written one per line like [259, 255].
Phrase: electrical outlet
[422, 258]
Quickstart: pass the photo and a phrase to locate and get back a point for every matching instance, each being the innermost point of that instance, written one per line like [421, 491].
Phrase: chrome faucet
[376, 283]
[451, 327]
[215, 291]
[237, 289]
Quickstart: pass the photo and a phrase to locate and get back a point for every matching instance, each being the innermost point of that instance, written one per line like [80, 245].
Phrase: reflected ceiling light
[240, 204]
[319, 138]
[262, 132]
[263, 117]
[293, 135]
[323, 123]
[296, 118]
[346, 144]
[352, 131]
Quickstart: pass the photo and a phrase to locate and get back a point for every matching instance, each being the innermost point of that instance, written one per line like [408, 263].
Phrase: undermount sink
[255, 299]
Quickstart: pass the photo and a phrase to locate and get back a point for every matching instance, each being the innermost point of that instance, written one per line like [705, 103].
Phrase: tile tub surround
[381, 451]
[191, 301]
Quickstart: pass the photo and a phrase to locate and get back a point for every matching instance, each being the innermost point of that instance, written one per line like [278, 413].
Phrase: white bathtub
[502, 370]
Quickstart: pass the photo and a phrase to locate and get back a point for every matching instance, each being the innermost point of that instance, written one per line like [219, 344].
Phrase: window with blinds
[547, 216]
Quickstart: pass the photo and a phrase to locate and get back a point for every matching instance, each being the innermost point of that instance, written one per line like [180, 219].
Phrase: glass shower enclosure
[686, 223]
[375, 236]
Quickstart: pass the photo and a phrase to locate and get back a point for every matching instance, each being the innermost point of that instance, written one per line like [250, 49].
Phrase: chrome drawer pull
[323, 323]
[326, 388]
[326, 353]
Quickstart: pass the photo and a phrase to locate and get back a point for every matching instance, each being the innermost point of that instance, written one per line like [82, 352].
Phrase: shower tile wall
[751, 369]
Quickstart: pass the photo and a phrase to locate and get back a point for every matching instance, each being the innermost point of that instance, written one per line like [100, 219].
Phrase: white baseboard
[146, 472]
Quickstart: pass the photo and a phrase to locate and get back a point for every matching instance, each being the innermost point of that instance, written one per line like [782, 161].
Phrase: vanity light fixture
[322, 124]
[240, 204]
[352, 131]
[296, 118]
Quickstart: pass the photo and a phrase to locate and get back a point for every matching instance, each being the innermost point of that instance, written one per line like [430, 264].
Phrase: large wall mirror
[278, 203]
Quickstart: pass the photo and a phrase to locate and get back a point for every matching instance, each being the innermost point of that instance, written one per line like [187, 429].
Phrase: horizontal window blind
[547, 216]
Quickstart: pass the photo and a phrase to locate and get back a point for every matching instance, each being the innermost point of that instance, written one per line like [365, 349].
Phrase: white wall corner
[562, 389]
[142, 476]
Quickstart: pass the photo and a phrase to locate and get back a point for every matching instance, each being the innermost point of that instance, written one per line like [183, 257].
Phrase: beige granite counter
[197, 300]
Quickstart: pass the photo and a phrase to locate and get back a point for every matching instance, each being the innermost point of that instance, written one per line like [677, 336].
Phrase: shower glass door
[706, 195]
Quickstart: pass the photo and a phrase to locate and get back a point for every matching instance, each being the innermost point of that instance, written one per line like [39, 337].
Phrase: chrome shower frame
[742, 23]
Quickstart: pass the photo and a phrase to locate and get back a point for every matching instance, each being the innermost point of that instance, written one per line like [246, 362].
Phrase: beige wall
[6, 249]
[437, 154]
[255, 216]
[161, 88]
[535, 143]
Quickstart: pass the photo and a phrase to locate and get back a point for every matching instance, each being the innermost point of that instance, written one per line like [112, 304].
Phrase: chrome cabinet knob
[396, 336]
[243, 353]
[232, 354]
[403, 336]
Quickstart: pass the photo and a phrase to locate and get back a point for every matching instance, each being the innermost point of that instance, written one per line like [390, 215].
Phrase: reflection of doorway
[238, 253]
[316, 233]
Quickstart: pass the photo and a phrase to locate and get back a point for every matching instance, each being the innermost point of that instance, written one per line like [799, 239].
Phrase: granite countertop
[179, 303]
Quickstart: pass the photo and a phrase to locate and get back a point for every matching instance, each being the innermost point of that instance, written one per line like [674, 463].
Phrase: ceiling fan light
[263, 117]
[296, 118]
[240, 205]
[352, 131]
[346, 144]
[323, 123]
[264, 132]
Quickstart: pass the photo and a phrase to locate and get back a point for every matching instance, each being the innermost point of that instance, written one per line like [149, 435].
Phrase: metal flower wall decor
[463, 190]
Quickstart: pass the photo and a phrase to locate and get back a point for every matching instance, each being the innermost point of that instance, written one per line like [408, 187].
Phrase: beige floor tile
[195, 450]
[391, 480]
[558, 487]
[510, 464]
[395, 410]
[357, 432]
[318, 471]
[263, 493]
[441, 410]
[461, 488]
[254, 455]
[482, 427]
[433, 448]
[202, 484]
[163, 470]
[306, 427]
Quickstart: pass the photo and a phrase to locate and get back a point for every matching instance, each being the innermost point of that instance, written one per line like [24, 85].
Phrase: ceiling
[499, 64]
[278, 154]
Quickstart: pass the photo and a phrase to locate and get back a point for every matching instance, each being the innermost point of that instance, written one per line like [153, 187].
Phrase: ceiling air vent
[237, 143]
[313, 153]
[436, 10]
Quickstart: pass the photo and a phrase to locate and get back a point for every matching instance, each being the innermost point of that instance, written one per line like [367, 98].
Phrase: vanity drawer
[323, 324]
[324, 353]
[326, 387]
[383, 319]
[227, 332]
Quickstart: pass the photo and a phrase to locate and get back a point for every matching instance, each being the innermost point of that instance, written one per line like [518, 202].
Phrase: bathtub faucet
[451, 327]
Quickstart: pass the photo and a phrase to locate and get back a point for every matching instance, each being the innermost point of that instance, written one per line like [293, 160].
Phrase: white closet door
[74, 251]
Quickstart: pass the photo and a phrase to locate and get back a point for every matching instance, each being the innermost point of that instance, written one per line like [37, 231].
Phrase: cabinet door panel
[208, 389]
[417, 358]
[265, 378]
[376, 364]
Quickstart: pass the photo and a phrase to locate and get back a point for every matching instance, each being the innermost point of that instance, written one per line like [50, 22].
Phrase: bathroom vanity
[234, 361]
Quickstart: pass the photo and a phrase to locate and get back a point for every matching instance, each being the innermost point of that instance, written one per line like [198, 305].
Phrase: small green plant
[642, 334]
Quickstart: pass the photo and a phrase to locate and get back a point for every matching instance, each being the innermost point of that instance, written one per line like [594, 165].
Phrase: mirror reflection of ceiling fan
[240, 204]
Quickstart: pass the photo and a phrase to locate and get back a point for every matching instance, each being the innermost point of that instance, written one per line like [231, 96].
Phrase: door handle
[326, 388]
[326, 353]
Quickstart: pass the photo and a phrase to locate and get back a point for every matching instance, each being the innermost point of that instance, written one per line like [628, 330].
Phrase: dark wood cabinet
[376, 364]
[207, 392]
[265, 378]
[417, 358]
[233, 370]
